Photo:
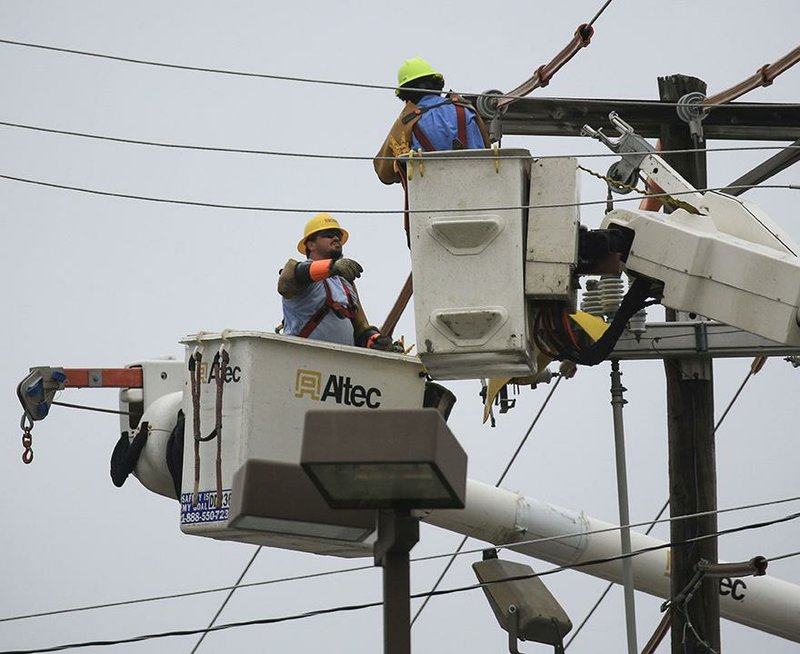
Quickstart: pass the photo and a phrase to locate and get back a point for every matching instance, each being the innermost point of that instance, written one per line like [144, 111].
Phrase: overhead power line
[227, 599]
[269, 76]
[753, 370]
[499, 481]
[345, 157]
[429, 557]
[199, 69]
[448, 591]
[237, 207]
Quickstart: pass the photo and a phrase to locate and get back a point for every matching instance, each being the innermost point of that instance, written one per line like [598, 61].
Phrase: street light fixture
[279, 498]
[394, 461]
[522, 604]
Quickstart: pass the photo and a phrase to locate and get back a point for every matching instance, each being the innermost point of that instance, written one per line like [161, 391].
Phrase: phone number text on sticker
[205, 510]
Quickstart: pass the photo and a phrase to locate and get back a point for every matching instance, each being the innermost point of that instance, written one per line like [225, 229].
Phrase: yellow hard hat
[412, 69]
[319, 223]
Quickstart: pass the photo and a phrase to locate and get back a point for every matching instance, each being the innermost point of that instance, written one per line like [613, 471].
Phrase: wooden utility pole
[688, 349]
[690, 421]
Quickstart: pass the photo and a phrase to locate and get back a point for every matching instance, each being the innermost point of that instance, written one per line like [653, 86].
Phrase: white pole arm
[502, 517]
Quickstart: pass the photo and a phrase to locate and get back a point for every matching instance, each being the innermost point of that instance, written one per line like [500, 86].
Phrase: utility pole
[690, 421]
[688, 365]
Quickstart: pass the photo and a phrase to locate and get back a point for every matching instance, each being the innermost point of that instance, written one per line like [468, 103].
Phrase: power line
[226, 600]
[753, 370]
[90, 408]
[291, 78]
[214, 205]
[194, 593]
[499, 481]
[430, 557]
[599, 13]
[448, 591]
[783, 556]
[607, 530]
[199, 69]
[343, 157]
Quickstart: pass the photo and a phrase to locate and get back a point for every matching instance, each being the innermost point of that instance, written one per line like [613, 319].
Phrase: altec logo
[339, 389]
[232, 374]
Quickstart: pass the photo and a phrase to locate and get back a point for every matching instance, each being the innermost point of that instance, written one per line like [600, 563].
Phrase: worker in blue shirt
[428, 121]
[320, 300]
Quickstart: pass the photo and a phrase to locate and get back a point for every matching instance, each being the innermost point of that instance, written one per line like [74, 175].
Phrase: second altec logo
[338, 389]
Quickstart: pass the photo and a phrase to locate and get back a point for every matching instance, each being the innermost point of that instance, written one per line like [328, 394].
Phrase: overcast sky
[92, 281]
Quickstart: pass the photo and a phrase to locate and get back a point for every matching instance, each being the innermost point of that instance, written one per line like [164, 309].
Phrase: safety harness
[460, 142]
[341, 310]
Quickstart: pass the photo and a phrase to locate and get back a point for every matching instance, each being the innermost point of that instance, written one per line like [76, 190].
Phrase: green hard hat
[414, 68]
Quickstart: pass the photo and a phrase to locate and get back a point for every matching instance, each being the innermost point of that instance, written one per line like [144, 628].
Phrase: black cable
[192, 203]
[783, 556]
[226, 600]
[661, 512]
[200, 69]
[192, 593]
[448, 591]
[90, 408]
[651, 524]
[306, 80]
[311, 155]
[599, 13]
[499, 481]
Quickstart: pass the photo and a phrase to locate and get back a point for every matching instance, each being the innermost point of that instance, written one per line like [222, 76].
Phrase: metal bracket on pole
[513, 629]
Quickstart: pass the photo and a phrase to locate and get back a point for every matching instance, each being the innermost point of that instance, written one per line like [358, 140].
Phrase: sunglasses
[329, 233]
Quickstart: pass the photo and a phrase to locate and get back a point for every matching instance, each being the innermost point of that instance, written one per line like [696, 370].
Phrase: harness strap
[423, 140]
[314, 322]
[461, 117]
[195, 377]
[338, 308]
[460, 142]
[404, 184]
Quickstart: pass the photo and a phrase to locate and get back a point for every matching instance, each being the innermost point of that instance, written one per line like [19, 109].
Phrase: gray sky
[93, 281]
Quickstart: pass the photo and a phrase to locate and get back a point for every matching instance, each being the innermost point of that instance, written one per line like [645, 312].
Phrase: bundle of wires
[555, 336]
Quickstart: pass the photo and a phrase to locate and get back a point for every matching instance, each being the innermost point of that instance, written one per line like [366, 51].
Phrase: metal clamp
[630, 145]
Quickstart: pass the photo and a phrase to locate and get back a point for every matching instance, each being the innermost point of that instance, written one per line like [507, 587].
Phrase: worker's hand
[379, 342]
[347, 268]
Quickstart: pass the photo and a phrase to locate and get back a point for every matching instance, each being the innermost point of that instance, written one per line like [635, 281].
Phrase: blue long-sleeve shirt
[439, 124]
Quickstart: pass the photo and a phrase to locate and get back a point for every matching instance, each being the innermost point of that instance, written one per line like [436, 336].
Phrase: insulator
[638, 322]
[611, 292]
[590, 300]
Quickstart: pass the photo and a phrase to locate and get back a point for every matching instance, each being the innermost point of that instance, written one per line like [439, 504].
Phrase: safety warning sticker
[205, 509]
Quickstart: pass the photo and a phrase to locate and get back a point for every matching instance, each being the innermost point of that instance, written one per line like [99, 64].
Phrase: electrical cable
[499, 481]
[194, 203]
[430, 557]
[312, 155]
[199, 69]
[599, 13]
[447, 591]
[90, 408]
[192, 593]
[290, 78]
[753, 370]
[226, 600]
[783, 556]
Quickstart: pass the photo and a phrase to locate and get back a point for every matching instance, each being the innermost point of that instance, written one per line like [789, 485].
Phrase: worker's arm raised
[296, 277]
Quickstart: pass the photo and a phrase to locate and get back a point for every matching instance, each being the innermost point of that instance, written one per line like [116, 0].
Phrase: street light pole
[392, 461]
[398, 532]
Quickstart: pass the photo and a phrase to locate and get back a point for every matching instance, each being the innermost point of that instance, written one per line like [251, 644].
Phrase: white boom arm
[500, 517]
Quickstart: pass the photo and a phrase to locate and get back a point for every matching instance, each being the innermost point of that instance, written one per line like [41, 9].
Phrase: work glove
[347, 268]
[380, 342]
